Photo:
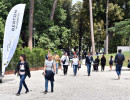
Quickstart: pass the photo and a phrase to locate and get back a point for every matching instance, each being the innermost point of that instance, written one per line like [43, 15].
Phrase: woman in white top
[49, 70]
[65, 62]
[75, 63]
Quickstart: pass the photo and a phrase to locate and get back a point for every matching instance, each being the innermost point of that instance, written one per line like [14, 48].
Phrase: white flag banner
[12, 33]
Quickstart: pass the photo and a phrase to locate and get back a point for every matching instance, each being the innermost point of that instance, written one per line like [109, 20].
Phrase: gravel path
[99, 86]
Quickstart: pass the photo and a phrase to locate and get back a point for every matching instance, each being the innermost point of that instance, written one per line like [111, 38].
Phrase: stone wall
[123, 48]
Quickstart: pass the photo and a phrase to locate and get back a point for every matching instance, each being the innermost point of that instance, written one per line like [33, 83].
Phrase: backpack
[111, 61]
[119, 59]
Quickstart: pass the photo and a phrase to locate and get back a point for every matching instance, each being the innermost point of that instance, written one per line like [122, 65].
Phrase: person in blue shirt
[119, 58]
[89, 60]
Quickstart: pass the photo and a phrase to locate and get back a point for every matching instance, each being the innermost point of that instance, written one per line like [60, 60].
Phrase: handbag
[64, 61]
[79, 66]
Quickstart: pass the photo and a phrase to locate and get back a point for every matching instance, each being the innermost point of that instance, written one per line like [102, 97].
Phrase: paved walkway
[100, 86]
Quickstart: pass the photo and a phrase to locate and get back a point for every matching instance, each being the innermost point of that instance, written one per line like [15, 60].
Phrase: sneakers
[27, 91]
[45, 92]
[18, 94]
[118, 77]
[52, 91]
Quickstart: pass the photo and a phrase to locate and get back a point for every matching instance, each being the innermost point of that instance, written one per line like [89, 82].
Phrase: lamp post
[34, 29]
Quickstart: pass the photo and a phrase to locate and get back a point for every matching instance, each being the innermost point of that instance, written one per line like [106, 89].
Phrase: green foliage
[113, 45]
[35, 58]
[115, 12]
[71, 22]
[122, 28]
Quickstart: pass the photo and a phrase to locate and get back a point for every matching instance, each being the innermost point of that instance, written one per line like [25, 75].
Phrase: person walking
[129, 63]
[46, 57]
[49, 70]
[97, 60]
[119, 58]
[65, 62]
[89, 60]
[103, 63]
[111, 62]
[23, 70]
[56, 58]
[75, 63]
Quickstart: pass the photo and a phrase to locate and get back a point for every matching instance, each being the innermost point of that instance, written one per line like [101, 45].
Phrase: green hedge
[35, 58]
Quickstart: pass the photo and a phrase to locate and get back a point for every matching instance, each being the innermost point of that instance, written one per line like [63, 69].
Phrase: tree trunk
[31, 11]
[91, 27]
[53, 9]
[129, 47]
[107, 27]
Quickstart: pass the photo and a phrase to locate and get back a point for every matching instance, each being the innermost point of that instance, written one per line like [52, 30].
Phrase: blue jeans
[46, 84]
[118, 69]
[75, 69]
[22, 82]
[57, 67]
[88, 68]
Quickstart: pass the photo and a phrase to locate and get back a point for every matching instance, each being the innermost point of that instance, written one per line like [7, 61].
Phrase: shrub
[35, 58]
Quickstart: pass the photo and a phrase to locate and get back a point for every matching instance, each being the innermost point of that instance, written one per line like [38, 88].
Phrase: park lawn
[127, 56]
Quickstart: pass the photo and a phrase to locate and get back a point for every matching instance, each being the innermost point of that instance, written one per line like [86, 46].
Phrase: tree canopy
[71, 23]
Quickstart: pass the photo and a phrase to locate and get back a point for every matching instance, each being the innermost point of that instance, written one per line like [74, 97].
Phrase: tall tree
[107, 27]
[31, 11]
[53, 9]
[91, 26]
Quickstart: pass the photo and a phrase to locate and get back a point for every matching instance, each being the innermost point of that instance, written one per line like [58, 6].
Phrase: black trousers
[103, 67]
[65, 69]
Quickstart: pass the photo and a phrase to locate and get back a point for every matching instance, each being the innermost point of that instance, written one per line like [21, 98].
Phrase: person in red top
[74, 53]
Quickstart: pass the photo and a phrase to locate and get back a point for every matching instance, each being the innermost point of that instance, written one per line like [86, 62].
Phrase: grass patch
[126, 54]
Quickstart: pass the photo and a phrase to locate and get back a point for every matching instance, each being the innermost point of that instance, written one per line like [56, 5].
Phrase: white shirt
[75, 61]
[50, 65]
[22, 69]
[67, 59]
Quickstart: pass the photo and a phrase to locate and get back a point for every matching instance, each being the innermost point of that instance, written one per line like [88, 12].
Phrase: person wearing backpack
[111, 62]
[119, 58]
[49, 71]
[89, 60]
[65, 62]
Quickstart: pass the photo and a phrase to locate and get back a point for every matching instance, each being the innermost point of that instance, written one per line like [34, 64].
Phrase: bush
[35, 58]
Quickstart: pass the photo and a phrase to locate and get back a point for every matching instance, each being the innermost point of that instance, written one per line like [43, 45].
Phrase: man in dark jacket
[97, 60]
[119, 58]
[89, 60]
